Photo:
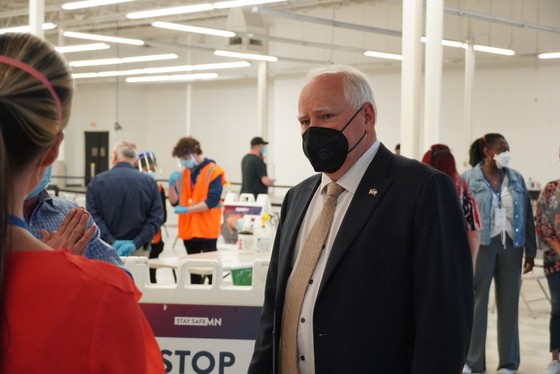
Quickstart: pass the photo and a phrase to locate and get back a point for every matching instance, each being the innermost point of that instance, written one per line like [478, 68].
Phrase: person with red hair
[440, 157]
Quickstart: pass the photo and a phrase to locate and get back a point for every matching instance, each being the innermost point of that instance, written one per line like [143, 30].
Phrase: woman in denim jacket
[507, 228]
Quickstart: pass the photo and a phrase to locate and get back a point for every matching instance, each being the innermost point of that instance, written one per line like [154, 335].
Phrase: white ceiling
[302, 33]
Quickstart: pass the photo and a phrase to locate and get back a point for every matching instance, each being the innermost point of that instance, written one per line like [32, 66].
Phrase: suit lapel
[370, 192]
[294, 220]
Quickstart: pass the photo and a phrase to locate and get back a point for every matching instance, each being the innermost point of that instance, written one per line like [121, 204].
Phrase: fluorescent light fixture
[476, 47]
[27, 28]
[248, 56]
[388, 56]
[498, 51]
[173, 78]
[170, 11]
[102, 38]
[447, 43]
[197, 8]
[84, 75]
[195, 29]
[165, 69]
[549, 55]
[453, 43]
[82, 47]
[238, 3]
[91, 3]
[123, 60]
[176, 69]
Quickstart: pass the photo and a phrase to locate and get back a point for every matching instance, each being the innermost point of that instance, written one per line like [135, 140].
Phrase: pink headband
[36, 74]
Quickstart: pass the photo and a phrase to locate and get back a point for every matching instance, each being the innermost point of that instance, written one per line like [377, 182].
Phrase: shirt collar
[123, 164]
[44, 198]
[351, 179]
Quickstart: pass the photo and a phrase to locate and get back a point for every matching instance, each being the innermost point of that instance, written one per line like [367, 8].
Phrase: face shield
[147, 163]
[187, 162]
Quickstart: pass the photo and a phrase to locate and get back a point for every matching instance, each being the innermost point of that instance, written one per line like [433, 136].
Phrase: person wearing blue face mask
[195, 193]
[44, 212]
[125, 203]
[231, 227]
[254, 176]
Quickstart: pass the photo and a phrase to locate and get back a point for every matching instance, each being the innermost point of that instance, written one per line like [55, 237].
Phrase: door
[97, 153]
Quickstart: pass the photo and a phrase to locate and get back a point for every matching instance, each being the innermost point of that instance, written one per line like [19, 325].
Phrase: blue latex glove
[126, 248]
[173, 178]
[181, 209]
[117, 244]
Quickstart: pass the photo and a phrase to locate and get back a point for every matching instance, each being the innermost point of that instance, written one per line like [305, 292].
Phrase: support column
[469, 80]
[37, 17]
[432, 80]
[410, 77]
[262, 101]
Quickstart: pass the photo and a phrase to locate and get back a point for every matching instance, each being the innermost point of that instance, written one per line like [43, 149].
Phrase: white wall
[522, 103]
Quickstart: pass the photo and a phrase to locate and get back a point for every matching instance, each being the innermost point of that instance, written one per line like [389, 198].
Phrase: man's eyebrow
[318, 110]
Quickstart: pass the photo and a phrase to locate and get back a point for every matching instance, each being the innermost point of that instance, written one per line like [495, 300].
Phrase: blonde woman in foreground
[59, 312]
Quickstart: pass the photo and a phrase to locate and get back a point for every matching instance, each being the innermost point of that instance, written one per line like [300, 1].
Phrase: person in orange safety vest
[196, 192]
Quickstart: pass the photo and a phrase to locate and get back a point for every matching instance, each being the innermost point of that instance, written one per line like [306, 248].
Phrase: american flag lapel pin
[373, 192]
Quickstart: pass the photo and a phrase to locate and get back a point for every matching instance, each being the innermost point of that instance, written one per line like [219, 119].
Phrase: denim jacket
[523, 222]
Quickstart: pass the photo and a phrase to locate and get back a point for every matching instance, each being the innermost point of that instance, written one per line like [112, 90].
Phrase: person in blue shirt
[125, 203]
[45, 212]
[508, 233]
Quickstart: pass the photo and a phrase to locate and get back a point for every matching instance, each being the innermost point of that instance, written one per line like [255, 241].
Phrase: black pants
[157, 248]
[200, 246]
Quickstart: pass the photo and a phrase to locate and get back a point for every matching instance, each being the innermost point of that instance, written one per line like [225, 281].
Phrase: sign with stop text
[204, 339]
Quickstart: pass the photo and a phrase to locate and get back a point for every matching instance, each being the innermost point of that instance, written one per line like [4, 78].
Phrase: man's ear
[52, 153]
[370, 116]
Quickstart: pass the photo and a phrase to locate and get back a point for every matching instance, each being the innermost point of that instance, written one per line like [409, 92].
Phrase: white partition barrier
[202, 328]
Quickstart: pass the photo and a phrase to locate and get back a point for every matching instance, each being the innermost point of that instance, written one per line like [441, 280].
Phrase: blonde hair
[29, 116]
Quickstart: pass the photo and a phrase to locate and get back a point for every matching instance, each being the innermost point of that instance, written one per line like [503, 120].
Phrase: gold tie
[301, 276]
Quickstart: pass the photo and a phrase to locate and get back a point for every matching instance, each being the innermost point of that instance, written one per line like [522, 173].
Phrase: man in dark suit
[391, 291]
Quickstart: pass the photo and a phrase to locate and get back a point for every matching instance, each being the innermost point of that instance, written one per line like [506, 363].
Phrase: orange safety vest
[206, 224]
[157, 236]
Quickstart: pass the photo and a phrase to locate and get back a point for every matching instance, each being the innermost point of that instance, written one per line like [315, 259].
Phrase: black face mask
[327, 148]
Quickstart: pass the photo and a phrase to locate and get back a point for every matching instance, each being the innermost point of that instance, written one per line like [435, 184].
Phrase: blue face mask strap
[16, 221]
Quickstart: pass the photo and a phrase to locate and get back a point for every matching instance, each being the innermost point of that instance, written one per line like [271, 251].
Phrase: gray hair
[126, 149]
[357, 89]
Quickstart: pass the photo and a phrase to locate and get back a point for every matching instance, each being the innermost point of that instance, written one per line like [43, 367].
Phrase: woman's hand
[72, 233]
[529, 263]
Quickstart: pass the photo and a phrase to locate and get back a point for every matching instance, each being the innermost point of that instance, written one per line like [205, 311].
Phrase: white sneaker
[506, 371]
[552, 368]
[467, 369]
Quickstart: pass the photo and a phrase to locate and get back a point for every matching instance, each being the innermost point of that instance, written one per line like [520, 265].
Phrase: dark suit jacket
[397, 291]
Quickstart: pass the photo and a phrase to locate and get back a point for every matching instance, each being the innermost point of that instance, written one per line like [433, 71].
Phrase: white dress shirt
[350, 181]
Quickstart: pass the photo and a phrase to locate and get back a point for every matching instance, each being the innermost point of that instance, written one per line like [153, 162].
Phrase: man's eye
[304, 122]
[327, 116]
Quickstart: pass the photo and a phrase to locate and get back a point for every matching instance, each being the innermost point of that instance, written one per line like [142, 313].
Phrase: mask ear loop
[39, 76]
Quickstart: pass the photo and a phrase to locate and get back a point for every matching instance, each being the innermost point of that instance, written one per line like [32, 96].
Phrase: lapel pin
[373, 192]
